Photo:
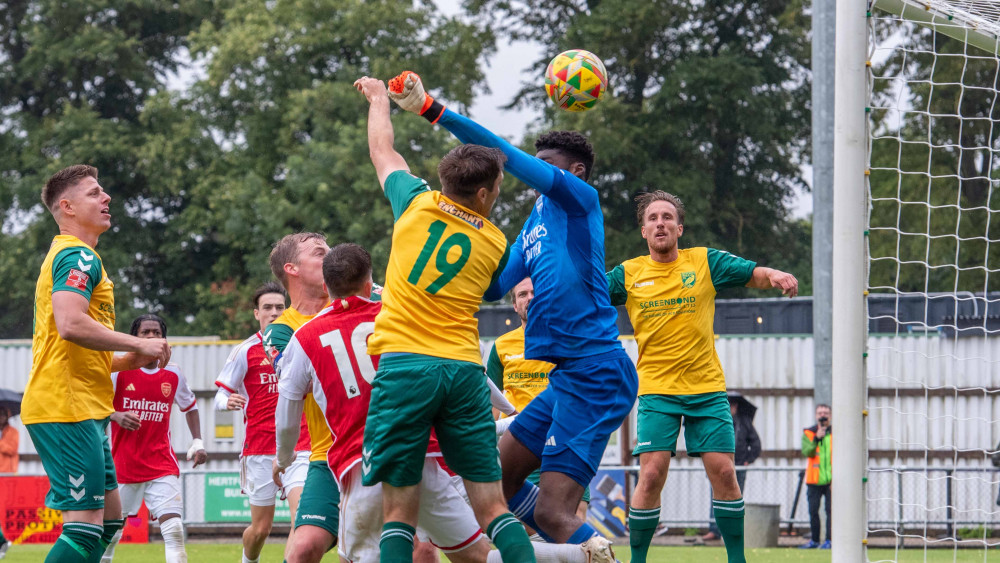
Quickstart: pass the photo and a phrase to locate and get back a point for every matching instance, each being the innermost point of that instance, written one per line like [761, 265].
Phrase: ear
[65, 206]
[680, 230]
[291, 269]
[483, 194]
[578, 169]
[256, 314]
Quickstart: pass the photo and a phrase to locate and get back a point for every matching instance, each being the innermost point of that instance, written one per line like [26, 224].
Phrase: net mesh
[933, 363]
[983, 15]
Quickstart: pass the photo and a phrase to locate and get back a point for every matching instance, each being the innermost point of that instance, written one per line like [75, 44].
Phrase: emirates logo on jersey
[165, 388]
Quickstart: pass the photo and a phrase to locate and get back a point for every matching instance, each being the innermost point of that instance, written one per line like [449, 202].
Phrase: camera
[823, 420]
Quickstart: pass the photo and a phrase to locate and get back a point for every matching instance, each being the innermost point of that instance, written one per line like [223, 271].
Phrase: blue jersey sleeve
[513, 272]
[571, 193]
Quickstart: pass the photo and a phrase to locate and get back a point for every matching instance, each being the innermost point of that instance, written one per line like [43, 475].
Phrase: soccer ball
[575, 80]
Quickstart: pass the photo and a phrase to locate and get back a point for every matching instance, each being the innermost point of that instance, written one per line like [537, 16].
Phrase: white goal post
[916, 220]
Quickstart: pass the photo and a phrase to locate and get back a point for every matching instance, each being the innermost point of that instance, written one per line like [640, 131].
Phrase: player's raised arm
[408, 92]
[380, 133]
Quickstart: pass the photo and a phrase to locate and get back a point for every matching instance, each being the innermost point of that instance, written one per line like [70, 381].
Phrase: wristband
[432, 112]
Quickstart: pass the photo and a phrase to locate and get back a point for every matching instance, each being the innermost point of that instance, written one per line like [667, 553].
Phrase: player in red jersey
[329, 357]
[140, 442]
[248, 383]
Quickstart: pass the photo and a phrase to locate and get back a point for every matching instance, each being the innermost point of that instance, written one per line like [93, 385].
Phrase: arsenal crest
[165, 388]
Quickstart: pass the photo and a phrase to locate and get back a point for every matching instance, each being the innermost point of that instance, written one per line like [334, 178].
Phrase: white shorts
[257, 479]
[444, 517]
[162, 496]
[295, 474]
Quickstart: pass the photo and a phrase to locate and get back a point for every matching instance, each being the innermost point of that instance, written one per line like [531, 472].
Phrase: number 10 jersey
[444, 257]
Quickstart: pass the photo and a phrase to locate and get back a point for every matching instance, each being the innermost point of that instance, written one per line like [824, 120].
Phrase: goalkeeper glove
[407, 90]
[196, 446]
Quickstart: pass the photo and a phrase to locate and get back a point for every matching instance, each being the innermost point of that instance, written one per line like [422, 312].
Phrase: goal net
[933, 278]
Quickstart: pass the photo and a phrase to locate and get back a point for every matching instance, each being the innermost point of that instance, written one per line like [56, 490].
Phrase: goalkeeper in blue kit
[564, 431]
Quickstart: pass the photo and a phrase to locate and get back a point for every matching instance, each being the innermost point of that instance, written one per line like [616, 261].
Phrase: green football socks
[76, 543]
[642, 524]
[396, 543]
[111, 528]
[729, 517]
[507, 533]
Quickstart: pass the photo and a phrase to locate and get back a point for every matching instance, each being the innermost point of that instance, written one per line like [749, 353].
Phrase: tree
[75, 80]
[710, 101]
[271, 140]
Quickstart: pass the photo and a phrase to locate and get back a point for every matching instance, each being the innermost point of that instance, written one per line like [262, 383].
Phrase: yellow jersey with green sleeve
[444, 257]
[69, 383]
[276, 337]
[672, 309]
[520, 380]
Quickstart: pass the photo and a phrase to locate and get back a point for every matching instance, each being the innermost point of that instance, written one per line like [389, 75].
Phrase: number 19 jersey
[444, 257]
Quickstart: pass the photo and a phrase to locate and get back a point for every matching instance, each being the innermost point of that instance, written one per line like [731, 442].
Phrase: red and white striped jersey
[249, 372]
[329, 356]
[145, 454]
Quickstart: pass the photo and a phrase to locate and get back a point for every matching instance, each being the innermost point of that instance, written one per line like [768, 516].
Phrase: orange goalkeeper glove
[407, 90]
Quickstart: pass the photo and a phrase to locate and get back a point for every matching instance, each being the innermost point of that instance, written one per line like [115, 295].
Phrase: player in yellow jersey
[445, 254]
[297, 262]
[670, 296]
[521, 380]
[69, 397]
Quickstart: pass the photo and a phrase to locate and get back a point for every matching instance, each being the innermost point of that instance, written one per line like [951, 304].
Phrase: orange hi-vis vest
[819, 471]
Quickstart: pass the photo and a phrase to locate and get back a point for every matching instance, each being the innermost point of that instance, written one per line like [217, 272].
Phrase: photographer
[816, 445]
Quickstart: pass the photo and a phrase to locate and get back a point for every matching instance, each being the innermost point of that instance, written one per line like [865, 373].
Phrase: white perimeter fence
[775, 372]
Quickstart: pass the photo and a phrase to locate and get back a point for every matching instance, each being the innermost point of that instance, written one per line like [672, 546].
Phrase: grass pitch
[230, 552]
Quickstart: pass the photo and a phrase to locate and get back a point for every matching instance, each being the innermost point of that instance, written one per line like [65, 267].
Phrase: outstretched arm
[380, 134]
[766, 278]
[571, 193]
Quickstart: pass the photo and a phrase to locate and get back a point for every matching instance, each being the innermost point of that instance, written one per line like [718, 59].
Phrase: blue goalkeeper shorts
[568, 425]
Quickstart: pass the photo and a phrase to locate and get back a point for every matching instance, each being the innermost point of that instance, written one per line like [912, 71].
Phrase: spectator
[9, 441]
[816, 445]
[747, 450]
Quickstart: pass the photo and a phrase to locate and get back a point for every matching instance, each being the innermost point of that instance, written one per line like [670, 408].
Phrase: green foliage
[932, 216]
[267, 135]
[271, 140]
[710, 102]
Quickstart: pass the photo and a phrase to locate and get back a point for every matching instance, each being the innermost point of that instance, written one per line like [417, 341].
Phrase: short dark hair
[269, 287]
[61, 181]
[573, 145]
[646, 199]
[819, 405]
[286, 251]
[466, 168]
[137, 323]
[347, 267]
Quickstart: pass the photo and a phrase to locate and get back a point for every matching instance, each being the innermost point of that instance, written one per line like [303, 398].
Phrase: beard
[662, 246]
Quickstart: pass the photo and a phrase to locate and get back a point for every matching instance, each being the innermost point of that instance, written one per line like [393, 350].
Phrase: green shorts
[319, 504]
[413, 393]
[77, 458]
[708, 424]
[537, 474]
